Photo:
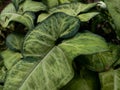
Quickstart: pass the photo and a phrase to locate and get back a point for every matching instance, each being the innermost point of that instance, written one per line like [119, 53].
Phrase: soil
[3, 4]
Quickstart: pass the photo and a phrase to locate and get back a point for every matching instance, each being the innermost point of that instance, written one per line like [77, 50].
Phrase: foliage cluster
[60, 45]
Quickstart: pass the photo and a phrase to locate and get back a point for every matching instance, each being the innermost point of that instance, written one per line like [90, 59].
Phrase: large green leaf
[47, 66]
[51, 73]
[10, 58]
[14, 41]
[101, 61]
[56, 26]
[84, 43]
[32, 6]
[86, 80]
[73, 9]
[114, 9]
[54, 69]
[110, 80]
[27, 19]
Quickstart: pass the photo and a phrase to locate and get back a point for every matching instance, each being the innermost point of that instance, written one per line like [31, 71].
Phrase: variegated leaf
[10, 58]
[48, 63]
[14, 41]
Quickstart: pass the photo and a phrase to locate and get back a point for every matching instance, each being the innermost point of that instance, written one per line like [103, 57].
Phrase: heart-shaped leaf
[14, 41]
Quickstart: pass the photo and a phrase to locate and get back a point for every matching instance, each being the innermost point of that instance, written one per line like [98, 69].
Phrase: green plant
[47, 48]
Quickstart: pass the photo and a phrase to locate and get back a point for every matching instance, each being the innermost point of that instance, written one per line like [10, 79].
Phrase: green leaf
[87, 80]
[114, 9]
[10, 58]
[101, 61]
[110, 80]
[8, 9]
[73, 9]
[30, 74]
[32, 6]
[52, 65]
[27, 19]
[42, 17]
[87, 16]
[47, 62]
[56, 26]
[84, 43]
[14, 41]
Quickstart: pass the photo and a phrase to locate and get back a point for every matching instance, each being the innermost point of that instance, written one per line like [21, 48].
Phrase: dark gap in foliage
[37, 14]
[58, 41]
[117, 67]
[20, 28]
[2, 83]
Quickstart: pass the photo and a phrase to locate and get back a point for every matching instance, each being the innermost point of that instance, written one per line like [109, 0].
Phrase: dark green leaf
[14, 41]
